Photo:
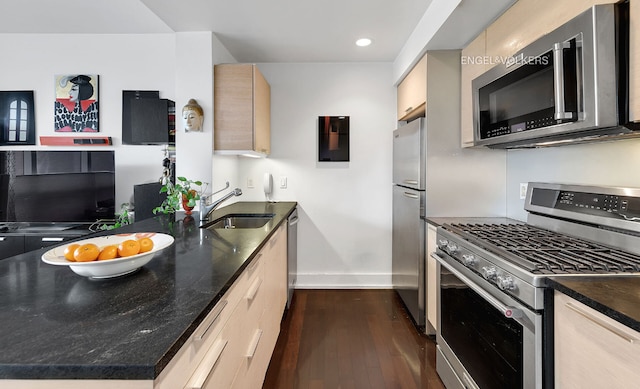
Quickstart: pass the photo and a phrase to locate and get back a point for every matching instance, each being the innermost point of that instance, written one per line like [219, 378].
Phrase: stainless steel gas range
[494, 307]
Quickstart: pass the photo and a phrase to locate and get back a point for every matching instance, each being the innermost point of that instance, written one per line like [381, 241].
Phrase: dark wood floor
[334, 339]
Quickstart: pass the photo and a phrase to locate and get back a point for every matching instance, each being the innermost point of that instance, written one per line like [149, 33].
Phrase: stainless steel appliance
[494, 309]
[292, 254]
[571, 85]
[408, 230]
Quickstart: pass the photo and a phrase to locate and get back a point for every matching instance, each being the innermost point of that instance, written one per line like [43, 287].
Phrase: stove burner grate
[546, 252]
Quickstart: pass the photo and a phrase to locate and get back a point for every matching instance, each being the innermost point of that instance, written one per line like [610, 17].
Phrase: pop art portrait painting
[76, 105]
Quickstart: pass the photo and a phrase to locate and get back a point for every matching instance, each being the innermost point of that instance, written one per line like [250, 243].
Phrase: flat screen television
[57, 186]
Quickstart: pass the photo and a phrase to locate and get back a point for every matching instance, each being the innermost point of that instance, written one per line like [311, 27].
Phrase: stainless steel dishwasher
[292, 254]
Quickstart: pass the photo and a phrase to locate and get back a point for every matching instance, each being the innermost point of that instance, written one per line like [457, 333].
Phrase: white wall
[344, 234]
[123, 62]
[460, 182]
[196, 54]
[608, 163]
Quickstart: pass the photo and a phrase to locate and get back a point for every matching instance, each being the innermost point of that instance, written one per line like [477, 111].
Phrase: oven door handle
[509, 312]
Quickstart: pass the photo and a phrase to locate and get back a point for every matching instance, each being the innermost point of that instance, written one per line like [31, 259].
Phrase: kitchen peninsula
[61, 328]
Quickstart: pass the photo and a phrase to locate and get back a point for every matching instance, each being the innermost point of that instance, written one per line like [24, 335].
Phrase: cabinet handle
[253, 290]
[207, 365]
[51, 239]
[599, 322]
[408, 109]
[254, 263]
[217, 310]
[253, 346]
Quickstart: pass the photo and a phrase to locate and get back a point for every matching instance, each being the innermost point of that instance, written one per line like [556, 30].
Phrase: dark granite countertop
[57, 324]
[617, 296]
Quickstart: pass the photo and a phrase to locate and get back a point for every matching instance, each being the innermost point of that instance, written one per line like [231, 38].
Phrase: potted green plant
[123, 218]
[183, 194]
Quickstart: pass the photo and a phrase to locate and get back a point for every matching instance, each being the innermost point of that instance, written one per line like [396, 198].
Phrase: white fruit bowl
[112, 267]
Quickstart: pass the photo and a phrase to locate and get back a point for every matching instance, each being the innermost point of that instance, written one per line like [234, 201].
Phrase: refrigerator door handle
[411, 195]
[410, 182]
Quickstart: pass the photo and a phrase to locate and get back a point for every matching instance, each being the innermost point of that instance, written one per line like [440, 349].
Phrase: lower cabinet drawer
[37, 242]
[11, 245]
[257, 355]
[221, 362]
[196, 353]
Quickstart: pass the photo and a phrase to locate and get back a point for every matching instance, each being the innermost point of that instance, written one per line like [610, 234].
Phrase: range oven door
[486, 339]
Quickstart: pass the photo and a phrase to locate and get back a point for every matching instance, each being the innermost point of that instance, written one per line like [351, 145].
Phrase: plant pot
[185, 201]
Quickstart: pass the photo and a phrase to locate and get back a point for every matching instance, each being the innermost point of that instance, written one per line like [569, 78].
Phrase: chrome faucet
[206, 210]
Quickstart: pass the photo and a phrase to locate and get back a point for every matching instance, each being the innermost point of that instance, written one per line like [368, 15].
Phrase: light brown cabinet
[473, 63]
[592, 350]
[412, 92]
[263, 326]
[243, 332]
[242, 110]
[528, 20]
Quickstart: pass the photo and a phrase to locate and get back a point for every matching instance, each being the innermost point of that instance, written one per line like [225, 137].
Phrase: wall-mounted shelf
[76, 141]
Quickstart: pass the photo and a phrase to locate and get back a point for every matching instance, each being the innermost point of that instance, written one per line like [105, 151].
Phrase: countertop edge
[588, 300]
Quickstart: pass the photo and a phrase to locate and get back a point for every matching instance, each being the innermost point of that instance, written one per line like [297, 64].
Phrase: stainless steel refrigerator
[409, 204]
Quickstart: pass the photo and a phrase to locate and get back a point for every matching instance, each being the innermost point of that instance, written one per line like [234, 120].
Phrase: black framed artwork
[17, 118]
[333, 138]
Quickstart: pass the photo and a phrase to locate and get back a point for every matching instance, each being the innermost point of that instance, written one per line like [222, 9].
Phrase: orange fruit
[69, 250]
[128, 248]
[108, 252]
[86, 253]
[146, 244]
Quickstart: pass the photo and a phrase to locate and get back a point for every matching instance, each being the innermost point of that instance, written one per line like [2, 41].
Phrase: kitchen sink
[240, 221]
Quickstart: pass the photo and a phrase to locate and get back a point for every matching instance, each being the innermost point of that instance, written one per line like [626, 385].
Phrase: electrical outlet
[523, 190]
[250, 183]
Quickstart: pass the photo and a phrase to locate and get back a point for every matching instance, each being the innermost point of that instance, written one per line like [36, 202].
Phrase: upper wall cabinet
[412, 92]
[528, 20]
[242, 110]
[472, 65]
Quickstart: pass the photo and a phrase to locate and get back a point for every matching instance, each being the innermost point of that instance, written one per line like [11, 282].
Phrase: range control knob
[442, 243]
[452, 247]
[505, 282]
[469, 260]
[489, 273]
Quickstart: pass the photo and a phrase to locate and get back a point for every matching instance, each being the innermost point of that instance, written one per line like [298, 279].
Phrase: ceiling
[262, 31]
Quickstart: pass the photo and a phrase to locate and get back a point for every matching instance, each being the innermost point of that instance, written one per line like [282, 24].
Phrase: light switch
[283, 182]
[249, 183]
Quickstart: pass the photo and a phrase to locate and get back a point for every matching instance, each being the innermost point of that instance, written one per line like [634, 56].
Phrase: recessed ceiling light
[363, 42]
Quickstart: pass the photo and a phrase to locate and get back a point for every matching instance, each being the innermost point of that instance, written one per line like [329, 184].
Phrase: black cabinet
[147, 119]
[16, 243]
[10, 245]
[35, 242]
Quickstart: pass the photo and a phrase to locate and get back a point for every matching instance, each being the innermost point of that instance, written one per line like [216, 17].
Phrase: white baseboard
[344, 281]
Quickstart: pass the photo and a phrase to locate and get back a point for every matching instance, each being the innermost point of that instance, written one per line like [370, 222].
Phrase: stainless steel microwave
[571, 85]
